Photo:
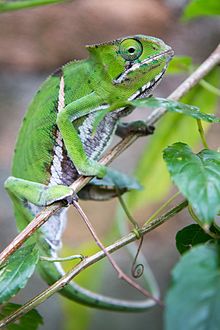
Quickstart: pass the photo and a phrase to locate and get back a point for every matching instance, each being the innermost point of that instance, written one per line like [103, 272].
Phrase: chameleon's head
[135, 63]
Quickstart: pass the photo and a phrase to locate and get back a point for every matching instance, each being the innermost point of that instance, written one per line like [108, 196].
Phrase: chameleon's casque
[68, 126]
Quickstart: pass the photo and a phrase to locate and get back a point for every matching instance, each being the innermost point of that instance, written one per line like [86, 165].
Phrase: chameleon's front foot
[137, 127]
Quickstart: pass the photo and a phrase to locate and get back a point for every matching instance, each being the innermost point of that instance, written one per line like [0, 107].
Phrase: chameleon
[67, 128]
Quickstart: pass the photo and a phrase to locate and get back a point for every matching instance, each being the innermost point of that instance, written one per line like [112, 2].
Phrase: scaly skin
[67, 128]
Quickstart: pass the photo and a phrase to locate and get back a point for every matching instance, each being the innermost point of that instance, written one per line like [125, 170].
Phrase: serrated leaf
[174, 106]
[198, 178]
[190, 236]
[29, 321]
[17, 270]
[193, 301]
[179, 64]
[201, 8]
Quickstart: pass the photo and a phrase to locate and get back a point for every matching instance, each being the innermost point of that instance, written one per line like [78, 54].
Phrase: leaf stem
[205, 226]
[128, 214]
[205, 84]
[162, 207]
[202, 133]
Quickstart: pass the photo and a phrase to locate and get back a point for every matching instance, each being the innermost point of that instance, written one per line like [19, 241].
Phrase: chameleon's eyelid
[130, 49]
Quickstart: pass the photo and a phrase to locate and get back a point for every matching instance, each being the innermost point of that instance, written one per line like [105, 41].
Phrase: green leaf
[118, 179]
[29, 321]
[151, 170]
[10, 5]
[190, 236]
[174, 106]
[201, 8]
[193, 301]
[197, 177]
[179, 64]
[17, 270]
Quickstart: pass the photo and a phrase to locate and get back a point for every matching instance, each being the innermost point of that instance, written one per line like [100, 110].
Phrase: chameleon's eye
[130, 49]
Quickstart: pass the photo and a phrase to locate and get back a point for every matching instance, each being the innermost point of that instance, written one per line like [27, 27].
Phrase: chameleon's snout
[169, 54]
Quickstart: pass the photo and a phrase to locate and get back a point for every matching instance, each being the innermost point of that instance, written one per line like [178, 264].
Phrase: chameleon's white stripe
[133, 96]
[56, 168]
[54, 227]
[86, 128]
[148, 86]
[136, 66]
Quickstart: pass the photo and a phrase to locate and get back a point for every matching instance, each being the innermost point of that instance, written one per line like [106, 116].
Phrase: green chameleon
[68, 126]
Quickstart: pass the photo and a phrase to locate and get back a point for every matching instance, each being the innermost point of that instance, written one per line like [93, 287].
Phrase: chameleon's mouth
[147, 88]
[132, 67]
[168, 53]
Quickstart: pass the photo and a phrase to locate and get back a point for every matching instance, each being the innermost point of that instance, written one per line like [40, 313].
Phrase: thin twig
[65, 279]
[45, 214]
[121, 274]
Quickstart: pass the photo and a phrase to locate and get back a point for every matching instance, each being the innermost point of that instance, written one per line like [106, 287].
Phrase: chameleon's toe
[137, 127]
[71, 199]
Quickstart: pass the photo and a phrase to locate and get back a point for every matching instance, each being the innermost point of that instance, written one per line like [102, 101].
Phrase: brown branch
[45, 214]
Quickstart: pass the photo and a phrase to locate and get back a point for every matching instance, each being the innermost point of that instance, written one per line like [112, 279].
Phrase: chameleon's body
[58, 142]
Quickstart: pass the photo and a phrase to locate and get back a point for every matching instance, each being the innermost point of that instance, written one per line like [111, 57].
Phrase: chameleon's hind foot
[137, 127]
[71, 199]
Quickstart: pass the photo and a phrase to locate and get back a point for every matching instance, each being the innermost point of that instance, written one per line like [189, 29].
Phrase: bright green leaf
[201, 8]
[174, 106]
[29, 321]
[17, 270]
[179, 64]
[193, 301]
[190, 236]
[197, 177]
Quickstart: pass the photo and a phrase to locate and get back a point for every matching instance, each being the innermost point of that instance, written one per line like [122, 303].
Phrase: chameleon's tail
[51, 272]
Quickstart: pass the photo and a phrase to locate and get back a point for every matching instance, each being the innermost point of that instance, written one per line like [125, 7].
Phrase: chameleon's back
[37, 137]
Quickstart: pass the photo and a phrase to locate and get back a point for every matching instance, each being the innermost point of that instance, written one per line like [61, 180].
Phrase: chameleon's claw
[138, 127]
[150, 129]
[71, 199]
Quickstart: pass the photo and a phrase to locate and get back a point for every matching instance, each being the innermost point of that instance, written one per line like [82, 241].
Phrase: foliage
[174, 106]
[190, 236]
[197, 177]
[10, 5]
[171, 128]
[193, 300]
[15, 273]
[30, 321]
[198, 8]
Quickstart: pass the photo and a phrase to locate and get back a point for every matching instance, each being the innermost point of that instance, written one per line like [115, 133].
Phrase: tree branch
[45, 214]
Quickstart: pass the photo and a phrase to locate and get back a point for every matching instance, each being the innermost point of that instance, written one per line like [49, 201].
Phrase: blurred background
[33, 43]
